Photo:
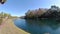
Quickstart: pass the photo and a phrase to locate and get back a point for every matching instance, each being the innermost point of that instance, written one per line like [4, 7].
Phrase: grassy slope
[9, 28]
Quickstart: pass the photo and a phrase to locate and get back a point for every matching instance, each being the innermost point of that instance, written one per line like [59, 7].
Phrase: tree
[53, 12]
[1, 14]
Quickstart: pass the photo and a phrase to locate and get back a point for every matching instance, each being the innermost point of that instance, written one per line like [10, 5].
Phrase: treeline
[7, 16]
[53, 12]
[4, 15]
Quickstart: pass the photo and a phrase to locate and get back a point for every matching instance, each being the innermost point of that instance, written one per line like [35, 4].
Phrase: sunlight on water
[38, 26]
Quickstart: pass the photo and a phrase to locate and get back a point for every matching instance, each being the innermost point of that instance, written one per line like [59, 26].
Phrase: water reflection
[38, 26]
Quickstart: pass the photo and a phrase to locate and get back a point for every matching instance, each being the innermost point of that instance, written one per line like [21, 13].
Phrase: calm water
[38, 26]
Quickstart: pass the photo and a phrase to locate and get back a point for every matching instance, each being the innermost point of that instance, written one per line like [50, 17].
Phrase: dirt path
[8, 27]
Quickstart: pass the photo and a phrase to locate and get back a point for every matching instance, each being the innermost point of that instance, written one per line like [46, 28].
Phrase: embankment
[8, 27]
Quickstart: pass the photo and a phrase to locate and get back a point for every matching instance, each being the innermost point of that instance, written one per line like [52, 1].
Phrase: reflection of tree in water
[49, 22]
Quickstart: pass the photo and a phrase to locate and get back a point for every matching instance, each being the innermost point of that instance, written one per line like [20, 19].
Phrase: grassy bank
[9, 28]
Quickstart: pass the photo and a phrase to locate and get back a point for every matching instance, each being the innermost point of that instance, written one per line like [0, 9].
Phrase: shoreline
[18, 28]
[8, 27]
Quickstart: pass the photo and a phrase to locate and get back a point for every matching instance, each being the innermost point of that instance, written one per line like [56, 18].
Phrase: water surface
[38, 26]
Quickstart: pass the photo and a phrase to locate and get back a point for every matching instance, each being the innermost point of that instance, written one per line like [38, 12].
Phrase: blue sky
[20, 7]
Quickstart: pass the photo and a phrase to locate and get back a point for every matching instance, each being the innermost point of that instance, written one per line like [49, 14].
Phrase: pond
[38, 26]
